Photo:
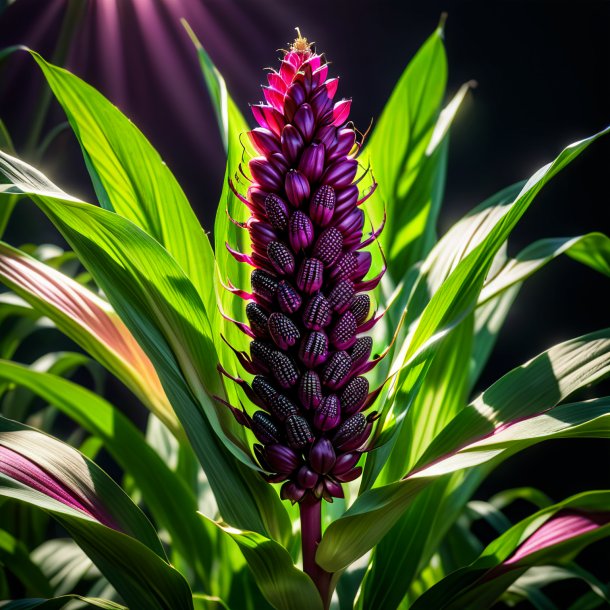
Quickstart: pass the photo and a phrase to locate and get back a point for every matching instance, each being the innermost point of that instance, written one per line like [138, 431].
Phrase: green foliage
[192, 524]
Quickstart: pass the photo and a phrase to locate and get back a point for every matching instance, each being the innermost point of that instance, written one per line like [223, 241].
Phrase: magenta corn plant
[312, 441]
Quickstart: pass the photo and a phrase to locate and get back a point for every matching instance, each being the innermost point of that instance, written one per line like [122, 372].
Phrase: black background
[543, 73]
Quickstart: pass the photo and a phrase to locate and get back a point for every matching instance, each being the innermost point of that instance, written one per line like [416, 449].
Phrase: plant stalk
[311, 534]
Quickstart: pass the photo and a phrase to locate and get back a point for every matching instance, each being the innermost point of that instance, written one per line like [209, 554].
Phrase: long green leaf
[509, 556]
[282, 584]
[457, 295]
[397, 557]
[90, 322]
[592, 250]
[57, 603]
[168, 498]
[15, 556]
[468, 440]
[161, 308]
[397, 151]
[130, 177]
[95, 512]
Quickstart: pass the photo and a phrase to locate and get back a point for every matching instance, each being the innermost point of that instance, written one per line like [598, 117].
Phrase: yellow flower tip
[300, 44]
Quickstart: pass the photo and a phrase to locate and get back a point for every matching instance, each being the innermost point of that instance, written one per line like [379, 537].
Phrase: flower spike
[306, 308]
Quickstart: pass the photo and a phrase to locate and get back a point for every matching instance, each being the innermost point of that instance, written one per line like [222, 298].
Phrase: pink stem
[311, 534]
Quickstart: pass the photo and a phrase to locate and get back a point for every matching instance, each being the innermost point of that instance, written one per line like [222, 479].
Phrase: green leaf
[90, 322]
[129, 176]
[539, 576]
[398, 555]
[469, 439]
[282, 584]
[232, 127]
[130, 556]
[397, 151]
[163, 311]
[65, 564]
[57, 603]
[14, 555]
[164, 493]
[592, 250]
[505, 559]
[456, 296]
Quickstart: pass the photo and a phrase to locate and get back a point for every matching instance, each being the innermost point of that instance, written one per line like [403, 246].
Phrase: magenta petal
[341, 112]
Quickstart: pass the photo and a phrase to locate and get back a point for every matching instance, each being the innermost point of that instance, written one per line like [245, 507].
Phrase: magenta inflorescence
[308, 307]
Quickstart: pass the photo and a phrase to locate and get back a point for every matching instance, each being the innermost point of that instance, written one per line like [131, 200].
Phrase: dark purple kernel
[343, 335]
[328, 414]
[351, 223]
[264, 141]
[292, 143]
[283, 330]
[263, 284]
[363, 264]
[306, 478]
[314, 349]
[282, 407]
[317, 313]
[265, 174]
[351, 428]
[298, 432]
[346, 138]
[345, 462]
[322, 205]
[279, 161]
[350, 475]
[281, 257]
[310, 390]
[263, 389]
[361, 351]
[341, 173]
[261, 353]
[321, 103]
[257, 318]
[328, 246]
[296, 187]
[277, 212]
[288, 298]
[332, 489]
[341, 296]
[354, 394]
[257, 195]
[265, 429]
[296, 92]
[311, 164]
[345, 267]
[283, 369]
[322, 456]
[326, 135]
[300, 231]
[361, 307]
[281, 458]
[336, 370]
[304, 121]
[310, 276]
[261, 233]
[347, 199]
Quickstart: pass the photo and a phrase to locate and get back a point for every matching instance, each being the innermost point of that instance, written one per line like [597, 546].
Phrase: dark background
[543, 73]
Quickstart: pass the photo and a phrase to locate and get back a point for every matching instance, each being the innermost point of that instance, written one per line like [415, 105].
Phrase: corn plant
[313, 439]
